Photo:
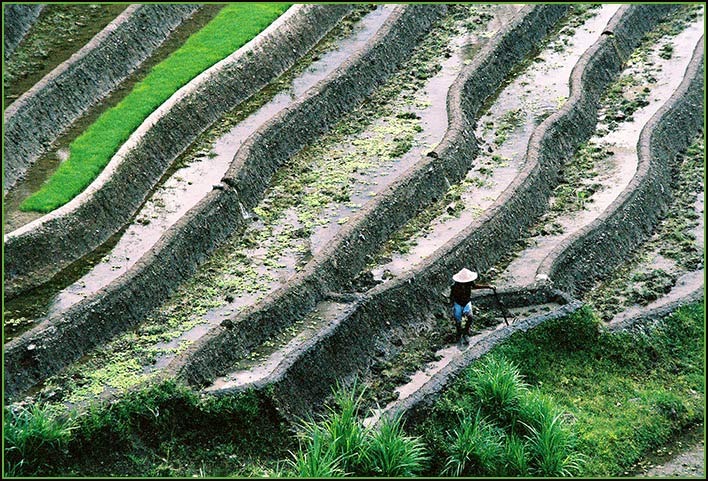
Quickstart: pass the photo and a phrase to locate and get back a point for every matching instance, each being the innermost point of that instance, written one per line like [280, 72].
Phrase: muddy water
[617, 171]
[431, 109]
[504, 131]
[188, 185]
[48, 163]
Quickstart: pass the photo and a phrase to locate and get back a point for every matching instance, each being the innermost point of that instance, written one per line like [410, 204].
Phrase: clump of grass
[31, 434]
[498, 389]
[235, 25]
[551, 446]
[391, 453]
[339, 444]
[317, 456]
[475, 448]
[499, 427]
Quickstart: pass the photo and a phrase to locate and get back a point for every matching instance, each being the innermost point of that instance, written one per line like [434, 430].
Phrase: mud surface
[690, 463]
[608, 162]
[504, 130]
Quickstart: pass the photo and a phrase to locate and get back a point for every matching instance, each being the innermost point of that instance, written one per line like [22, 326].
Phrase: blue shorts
[458, 310]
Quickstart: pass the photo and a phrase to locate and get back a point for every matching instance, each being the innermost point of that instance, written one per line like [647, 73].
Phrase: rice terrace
[323, 240]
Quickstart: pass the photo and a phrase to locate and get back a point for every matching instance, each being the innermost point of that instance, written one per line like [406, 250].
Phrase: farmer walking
[460, 298]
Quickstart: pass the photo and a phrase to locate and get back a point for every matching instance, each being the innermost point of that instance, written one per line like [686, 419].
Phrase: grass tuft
[391, 453]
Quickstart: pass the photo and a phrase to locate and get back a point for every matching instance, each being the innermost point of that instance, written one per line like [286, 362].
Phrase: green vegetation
[626, 393]
[338, 444]
[59, 31]
[491, 423]
[164, 430]
[234, 26]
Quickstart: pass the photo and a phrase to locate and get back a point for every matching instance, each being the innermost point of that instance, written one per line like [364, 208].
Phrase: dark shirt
[460, 293]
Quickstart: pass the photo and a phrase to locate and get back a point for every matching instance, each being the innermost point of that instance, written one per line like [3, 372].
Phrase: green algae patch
[235, 25]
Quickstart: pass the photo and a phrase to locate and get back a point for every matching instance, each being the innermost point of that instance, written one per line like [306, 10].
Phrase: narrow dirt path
[690, 463]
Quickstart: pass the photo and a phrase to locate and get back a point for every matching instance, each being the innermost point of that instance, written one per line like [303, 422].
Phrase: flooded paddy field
[389, 329]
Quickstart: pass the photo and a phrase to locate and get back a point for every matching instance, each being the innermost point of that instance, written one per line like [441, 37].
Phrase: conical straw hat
[464, 276]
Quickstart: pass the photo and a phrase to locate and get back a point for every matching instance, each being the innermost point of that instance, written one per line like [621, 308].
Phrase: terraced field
[290, 218]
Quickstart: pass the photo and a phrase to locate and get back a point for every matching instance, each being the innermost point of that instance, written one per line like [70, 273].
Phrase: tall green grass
[30, 434]
[590, 403]
[236, 24]
[338, 444]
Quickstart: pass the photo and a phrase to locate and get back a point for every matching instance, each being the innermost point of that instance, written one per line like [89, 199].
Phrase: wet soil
[59, 32]
[504, 130]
